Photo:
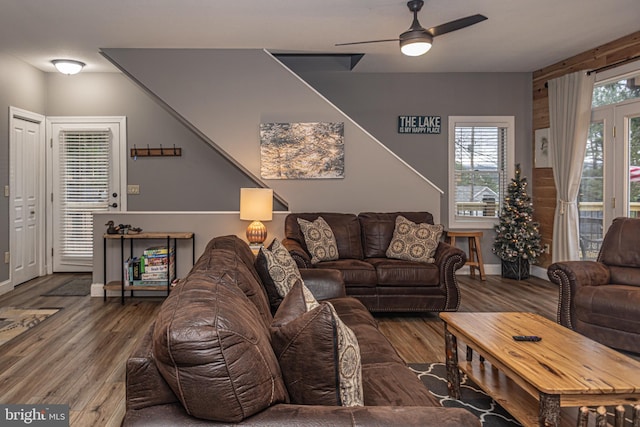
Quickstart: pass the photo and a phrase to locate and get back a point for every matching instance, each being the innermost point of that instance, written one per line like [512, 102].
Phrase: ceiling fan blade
[368, 41]
[458, 24]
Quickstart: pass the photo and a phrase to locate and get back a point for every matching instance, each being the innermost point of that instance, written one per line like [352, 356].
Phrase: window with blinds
[84, 185]
[480, 152]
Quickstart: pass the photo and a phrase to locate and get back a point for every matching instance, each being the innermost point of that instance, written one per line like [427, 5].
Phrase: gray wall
[21, 86]
[226, 94]
[376, 100]
[199, 180]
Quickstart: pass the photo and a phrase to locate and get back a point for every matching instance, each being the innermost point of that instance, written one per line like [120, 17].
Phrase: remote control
[533, 338]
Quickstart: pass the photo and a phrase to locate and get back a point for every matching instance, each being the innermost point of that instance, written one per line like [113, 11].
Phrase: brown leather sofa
[601, 299]
[381, 283]
[207, 360]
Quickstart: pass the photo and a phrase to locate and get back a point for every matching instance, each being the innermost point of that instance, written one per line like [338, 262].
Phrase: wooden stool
[475, 250]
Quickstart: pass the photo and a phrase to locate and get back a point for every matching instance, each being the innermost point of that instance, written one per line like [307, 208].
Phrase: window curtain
[569, 117]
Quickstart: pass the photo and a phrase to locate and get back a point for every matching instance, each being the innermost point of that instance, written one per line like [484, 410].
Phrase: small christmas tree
[517, 237]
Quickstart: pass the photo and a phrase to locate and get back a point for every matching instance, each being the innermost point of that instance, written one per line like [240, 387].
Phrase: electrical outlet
[133, 189]
[7, 257]
[547, 248]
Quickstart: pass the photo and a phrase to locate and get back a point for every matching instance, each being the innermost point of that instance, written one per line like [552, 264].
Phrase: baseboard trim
[539, 272]
[496, 270]
[6, 287]
[97, 291]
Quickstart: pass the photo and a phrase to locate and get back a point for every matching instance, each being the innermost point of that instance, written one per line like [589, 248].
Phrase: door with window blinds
[85, 180]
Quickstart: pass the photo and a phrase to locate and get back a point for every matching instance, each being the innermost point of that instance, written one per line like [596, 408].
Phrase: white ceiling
[519, 36]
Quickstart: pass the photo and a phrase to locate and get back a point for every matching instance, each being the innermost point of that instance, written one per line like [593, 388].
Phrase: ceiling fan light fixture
[415, 43]
[68, 66]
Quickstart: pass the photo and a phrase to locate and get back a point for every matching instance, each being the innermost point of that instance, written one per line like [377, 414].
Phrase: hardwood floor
[77, 356]
[420, 339]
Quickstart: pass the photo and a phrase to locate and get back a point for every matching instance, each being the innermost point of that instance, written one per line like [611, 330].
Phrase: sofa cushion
[414, 242]
[236, 274]
[214, 352]
[611, 306]
[397, 272]
[238, 247]
[345, 227]
[624, 275]
[353, 271]
[377, 229]
[320, 241]
[619, 244]
[318, 354]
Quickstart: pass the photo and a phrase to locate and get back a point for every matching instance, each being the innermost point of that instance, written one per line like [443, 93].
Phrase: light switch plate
[6, 191]
[133, 189]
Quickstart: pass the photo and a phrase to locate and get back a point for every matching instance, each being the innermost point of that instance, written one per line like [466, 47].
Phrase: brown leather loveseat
[381, 283]
[208, 358]
[601, 299]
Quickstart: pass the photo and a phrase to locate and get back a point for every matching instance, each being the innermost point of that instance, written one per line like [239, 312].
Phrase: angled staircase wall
[224, 95]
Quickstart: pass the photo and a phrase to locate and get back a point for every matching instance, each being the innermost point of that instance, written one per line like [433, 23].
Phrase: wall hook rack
[156, 152]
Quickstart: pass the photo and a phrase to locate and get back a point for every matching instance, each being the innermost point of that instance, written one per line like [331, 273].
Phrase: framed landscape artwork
[302, 150]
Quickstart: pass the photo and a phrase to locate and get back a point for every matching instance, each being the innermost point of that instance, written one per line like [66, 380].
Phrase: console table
[168, 236]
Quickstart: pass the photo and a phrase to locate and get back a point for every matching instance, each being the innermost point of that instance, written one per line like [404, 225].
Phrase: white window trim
[458, 222]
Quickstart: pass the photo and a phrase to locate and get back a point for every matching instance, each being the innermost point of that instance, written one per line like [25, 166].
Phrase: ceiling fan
[417, 40]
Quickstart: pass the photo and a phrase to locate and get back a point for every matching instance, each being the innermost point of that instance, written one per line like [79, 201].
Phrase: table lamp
[256, 204]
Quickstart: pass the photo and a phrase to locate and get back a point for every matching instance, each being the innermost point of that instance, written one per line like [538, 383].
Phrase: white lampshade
[256, 204]
[68, 66]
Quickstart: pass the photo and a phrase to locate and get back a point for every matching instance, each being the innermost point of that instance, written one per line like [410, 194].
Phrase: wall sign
[419, 124]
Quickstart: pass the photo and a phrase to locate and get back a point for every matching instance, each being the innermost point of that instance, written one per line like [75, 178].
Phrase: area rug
[71, 288]
[491, 414]
[15, 321]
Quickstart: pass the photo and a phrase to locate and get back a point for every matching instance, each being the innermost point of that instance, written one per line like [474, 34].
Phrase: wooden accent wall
[543, 188]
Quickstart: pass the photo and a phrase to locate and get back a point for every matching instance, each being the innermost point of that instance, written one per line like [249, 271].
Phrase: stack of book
[155, 267]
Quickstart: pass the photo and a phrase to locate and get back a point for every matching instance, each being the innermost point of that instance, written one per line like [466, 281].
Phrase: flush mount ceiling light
[68, 66]
[417, 40]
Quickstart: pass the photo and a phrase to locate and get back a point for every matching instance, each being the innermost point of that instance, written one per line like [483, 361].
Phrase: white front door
[88, 175]
[26, 189]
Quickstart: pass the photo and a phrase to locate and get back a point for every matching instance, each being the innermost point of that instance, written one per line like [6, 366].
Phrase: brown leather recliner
[380, 283]
[601, 299]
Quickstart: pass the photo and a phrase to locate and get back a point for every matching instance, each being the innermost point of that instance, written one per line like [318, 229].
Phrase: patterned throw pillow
[284, 272]
[319, 239]
[318, 354]
[414, 242]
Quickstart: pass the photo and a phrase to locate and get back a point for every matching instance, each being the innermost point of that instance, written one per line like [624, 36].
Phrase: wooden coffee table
[534, 380]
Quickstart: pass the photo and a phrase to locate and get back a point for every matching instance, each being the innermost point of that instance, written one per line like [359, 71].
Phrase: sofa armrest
[145, 386]
[323, 283]
[300, 256]
[309, 415]
[570, 276]
[449, 259]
